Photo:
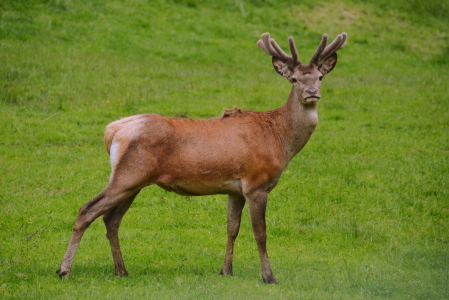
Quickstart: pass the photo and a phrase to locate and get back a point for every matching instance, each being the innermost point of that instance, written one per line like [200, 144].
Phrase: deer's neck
[298, 123]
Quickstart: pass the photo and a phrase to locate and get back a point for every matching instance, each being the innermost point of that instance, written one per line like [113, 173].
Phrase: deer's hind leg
[112, 220]
[89, 212]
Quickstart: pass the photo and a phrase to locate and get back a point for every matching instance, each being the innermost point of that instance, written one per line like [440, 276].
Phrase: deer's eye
[293, 79]
[320, 78]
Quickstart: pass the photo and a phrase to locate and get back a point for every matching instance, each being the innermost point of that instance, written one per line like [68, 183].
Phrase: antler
[323, 52]
[270, 47]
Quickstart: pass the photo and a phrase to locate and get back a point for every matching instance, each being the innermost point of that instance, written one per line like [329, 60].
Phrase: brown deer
[241, 154]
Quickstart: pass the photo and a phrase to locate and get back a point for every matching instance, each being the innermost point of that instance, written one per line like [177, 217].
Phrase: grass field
[361, 213]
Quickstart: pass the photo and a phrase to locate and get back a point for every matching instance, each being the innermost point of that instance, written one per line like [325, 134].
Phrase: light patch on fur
[119, 134]
[127, 127]
[313, 117]
[114, 151]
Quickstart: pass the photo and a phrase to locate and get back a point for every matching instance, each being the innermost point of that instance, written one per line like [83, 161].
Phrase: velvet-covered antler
[323, 52]
[270, 47]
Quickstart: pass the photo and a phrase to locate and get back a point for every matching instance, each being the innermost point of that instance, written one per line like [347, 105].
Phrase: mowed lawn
[362, 212]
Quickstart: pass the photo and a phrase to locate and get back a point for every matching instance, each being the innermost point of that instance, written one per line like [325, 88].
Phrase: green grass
[361, 213]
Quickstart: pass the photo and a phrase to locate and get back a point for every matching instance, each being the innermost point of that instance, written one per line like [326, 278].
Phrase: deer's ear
[328, 64]
[281, 67]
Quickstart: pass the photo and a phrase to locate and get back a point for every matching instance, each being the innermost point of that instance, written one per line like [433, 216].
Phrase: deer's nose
[312, 91]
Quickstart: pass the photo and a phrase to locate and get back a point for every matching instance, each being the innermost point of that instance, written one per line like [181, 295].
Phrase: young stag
[241, 154]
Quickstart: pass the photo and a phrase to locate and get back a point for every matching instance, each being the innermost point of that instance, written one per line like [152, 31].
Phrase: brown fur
[306, 69]
[241, 154]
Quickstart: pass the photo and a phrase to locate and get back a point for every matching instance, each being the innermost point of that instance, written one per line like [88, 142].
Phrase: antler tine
[295, 56]
[270, 47]
[337, 44]
[316, 57]
[264, 44]
[323, 52]
[284, 56]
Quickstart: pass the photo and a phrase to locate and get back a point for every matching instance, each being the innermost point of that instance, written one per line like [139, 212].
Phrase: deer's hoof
[226, 271]
[270, 280]
[62, 274]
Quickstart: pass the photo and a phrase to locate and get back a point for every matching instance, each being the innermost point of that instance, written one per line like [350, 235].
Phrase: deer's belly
[187, 188]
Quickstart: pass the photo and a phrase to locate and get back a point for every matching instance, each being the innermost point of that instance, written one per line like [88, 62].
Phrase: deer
[241, 154]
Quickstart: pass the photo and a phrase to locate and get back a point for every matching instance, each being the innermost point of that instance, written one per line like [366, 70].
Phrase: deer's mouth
[311, 99]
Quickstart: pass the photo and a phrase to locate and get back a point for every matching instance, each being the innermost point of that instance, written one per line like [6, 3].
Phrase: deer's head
[306, 78]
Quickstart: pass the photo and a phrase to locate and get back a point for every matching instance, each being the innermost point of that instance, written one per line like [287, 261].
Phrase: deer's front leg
[235, 206]
[257, 203]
